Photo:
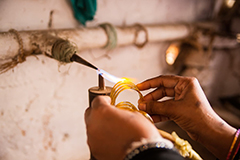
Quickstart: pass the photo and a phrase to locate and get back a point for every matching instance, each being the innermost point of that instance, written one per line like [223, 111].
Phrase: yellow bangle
[233, 144]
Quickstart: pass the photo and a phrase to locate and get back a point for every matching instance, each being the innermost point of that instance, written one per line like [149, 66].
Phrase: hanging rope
[63, 50]
[111, 34]
[19, 58]
[140, 28]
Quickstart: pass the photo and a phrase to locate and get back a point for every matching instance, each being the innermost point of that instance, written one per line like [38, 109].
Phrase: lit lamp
[238, 37]
[172, 52]
[229, 3]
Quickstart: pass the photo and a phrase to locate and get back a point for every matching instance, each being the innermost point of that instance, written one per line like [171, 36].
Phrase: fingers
[158, 118]
[159, 93]
[166, 108]
[167, 81]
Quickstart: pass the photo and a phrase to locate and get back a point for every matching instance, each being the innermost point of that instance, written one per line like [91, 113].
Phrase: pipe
[86, 38]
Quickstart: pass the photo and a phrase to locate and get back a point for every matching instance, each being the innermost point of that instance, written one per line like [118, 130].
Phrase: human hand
[111, 131]
[189, 108]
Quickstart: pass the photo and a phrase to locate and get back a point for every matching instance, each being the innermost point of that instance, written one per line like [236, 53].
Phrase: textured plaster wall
[42, 104]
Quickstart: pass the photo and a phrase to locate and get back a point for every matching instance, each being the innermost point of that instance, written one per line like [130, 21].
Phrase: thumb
[166, 108]
[100, 101]
[98, 104]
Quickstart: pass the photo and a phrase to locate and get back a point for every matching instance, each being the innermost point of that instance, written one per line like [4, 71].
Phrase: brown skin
[190, 109]
[111, 131]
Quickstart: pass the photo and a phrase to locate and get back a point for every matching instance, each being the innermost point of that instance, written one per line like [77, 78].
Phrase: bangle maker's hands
[189, 108]
[111, 131]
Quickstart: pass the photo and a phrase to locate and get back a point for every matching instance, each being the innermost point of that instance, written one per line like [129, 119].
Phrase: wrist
[234, 149]
[217, 137]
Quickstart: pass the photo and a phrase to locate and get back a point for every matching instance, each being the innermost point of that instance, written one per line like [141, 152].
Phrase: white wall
[42, 105]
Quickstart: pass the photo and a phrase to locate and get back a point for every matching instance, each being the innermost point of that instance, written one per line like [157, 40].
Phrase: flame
[124, 79]
[112, 78]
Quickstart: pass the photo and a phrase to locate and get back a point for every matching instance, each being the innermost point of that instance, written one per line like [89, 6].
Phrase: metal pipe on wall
[86, 38]
[96, 37]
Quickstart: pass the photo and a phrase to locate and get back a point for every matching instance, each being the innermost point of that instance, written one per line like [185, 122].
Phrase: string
[63, 50]
[140, 28]
[19, 58]
[111, 34]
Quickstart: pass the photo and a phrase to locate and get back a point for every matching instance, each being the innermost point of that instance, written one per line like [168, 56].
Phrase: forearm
[218, 137]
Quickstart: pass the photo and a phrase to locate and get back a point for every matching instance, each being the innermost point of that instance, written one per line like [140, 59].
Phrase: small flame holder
[100, 90]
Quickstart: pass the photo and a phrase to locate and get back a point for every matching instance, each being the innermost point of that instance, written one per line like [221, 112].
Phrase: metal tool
[78, 59]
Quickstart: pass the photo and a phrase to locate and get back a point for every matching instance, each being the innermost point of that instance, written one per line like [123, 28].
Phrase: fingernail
[142, 106]
[138, 86]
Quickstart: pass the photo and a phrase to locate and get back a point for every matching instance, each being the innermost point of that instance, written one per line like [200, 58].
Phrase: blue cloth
[84, 10]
